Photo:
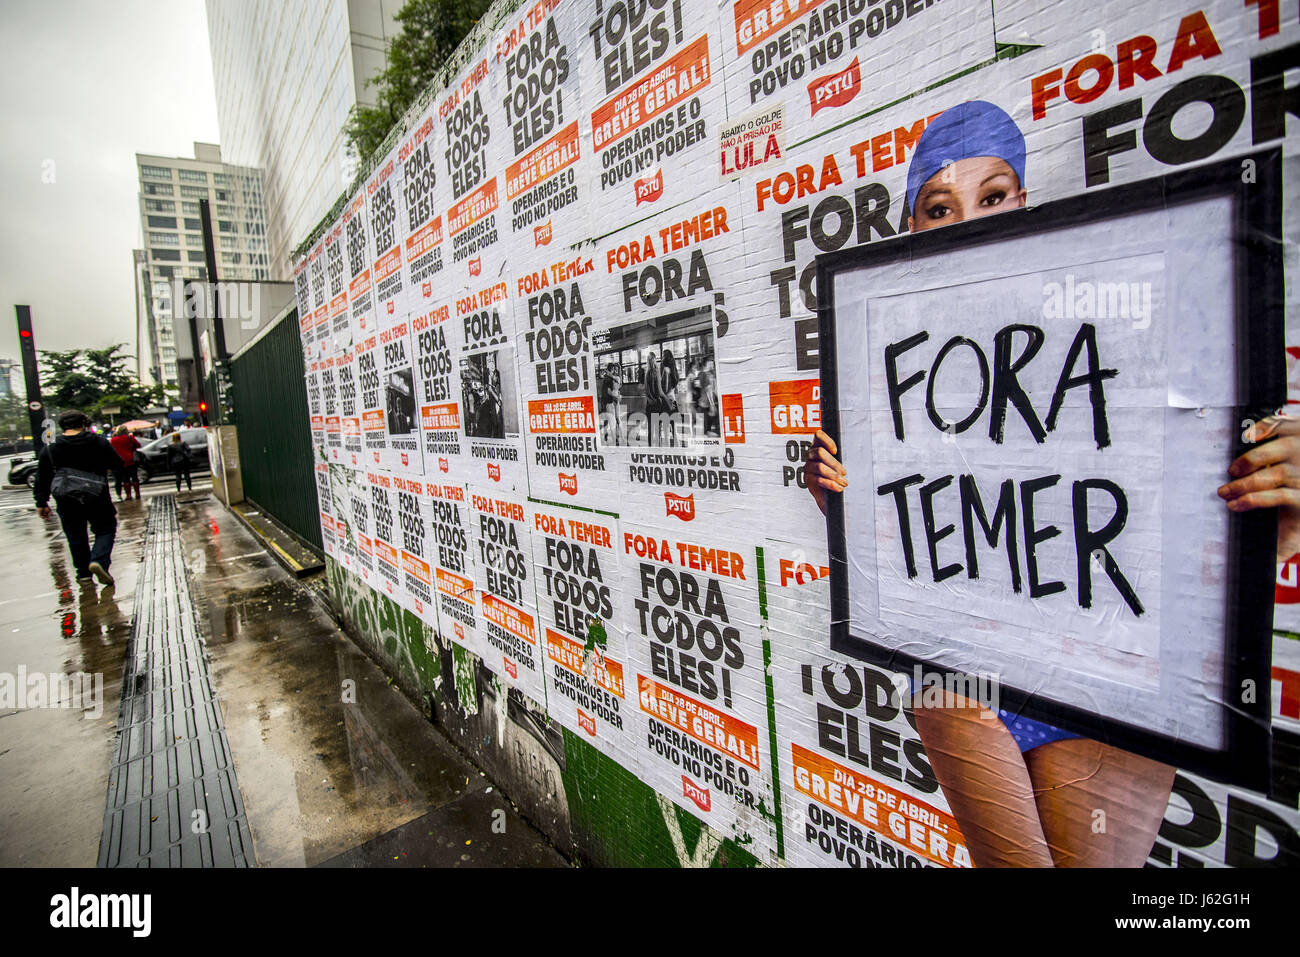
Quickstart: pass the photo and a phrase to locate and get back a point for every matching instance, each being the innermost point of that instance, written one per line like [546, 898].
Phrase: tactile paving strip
[173, 800]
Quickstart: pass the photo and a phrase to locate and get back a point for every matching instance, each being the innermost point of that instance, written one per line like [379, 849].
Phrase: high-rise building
[7, 367]
[170, 191]
[287, 75]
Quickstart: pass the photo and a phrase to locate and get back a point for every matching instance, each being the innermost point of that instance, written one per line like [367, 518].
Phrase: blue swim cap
[971, 129]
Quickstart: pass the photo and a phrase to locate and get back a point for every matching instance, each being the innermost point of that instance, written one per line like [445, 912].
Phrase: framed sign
[1035, 410]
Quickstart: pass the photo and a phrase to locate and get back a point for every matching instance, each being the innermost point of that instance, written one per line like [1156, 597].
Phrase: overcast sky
[86, 84]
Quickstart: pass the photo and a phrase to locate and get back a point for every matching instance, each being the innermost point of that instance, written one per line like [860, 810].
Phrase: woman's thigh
[986, 784]
[1099, 806]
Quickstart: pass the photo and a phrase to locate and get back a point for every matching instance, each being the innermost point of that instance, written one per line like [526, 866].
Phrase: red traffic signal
[203, 407]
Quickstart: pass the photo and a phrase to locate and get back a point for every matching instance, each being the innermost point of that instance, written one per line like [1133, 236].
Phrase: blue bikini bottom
[1030, 734]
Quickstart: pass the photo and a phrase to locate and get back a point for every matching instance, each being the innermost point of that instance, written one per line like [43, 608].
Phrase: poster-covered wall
[562, 352]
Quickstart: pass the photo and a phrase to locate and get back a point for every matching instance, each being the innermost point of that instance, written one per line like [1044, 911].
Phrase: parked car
[152, 457]
[22, 471]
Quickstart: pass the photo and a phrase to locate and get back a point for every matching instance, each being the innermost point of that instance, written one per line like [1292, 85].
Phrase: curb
[291, 564]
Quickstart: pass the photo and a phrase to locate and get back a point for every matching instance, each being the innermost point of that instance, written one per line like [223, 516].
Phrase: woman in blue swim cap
[970, 162]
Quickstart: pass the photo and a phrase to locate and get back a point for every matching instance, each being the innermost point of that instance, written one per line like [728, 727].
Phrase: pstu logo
[682, 507]
[444, 465]
[376, 457]
[836, 89]
[696, 793]
[511, 669]
[476, 265]
[650, 188]
[586, 722]
[406, 459]
[460, 632]
[542, 234]
[569, 483]
[494, 472]
[427, 289]
[391, 307]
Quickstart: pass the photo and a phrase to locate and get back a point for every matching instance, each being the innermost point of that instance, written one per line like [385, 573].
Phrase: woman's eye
[993, 199]
[938, 211]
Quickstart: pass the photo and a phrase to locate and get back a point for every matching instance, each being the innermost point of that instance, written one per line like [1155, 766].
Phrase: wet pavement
[54, 761]
[333, 764]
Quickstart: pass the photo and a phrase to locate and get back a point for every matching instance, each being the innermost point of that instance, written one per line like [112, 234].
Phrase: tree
[94, 379]
[14, 420]
[431, 31]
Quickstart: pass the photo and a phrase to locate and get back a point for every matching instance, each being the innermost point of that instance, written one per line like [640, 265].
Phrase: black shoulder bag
[77, 484]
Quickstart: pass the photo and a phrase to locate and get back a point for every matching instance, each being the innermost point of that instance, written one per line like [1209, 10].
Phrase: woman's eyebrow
[1002, 174]
[937, 191]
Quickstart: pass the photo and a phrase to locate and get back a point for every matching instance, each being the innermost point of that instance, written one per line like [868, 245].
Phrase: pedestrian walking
[611, 386]
[125, 444]
[652, 389]
[74, 469]
[179, 460]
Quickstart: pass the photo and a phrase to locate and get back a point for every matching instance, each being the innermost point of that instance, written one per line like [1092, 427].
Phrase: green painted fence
[270, 400]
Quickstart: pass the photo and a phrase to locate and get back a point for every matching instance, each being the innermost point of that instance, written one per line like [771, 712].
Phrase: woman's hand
[1268, 476]
[823, 472]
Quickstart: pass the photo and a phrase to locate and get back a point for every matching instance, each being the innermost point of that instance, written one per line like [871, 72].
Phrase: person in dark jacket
[179, 460]
[80, 449]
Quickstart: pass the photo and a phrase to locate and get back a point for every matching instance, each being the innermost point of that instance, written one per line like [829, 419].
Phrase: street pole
[221, 357]
[31, 375]
[196, 363]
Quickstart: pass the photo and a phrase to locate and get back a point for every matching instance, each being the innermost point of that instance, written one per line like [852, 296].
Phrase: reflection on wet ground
[334, 764]
[329, 754]
[54, 761]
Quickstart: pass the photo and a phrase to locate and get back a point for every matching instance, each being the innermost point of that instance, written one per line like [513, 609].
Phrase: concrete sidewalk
[334, 766]
[54, 761]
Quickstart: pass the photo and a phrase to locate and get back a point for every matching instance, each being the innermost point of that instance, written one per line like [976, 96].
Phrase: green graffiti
[463, 668]
[595, 635]
[618, 820]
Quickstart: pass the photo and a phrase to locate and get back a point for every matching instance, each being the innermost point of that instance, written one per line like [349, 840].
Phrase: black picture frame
[1254, 183]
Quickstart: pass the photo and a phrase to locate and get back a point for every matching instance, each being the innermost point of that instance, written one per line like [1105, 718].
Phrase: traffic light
[35, 404]
[203, 413]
